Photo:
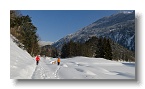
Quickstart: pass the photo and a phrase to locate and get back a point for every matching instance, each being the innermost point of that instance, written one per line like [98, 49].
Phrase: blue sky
[52, 25]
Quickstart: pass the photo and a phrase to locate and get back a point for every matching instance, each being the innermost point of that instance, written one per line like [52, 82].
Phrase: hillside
[22, 65]
[119, 27]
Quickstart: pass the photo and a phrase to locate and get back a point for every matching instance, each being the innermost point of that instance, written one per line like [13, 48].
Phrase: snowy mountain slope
[22, 65]
[119, 27]
[84, 68]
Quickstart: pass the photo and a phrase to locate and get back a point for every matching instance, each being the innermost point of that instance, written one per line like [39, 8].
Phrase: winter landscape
[23, 67]
[105, 49]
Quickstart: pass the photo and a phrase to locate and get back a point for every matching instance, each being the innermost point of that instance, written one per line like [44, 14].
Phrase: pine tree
[100, 48]
[64, 51]
[23, 29]
[108, 50]
[71, 49]
[91, 46]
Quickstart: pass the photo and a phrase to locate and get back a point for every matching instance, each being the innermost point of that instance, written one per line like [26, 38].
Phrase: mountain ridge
[119, 27]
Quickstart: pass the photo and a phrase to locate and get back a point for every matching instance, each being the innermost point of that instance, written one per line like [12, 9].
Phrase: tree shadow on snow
[129, 64]
[125, 74]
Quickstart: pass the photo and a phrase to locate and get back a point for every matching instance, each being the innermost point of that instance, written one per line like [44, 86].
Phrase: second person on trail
[37, 59]
[58, 61]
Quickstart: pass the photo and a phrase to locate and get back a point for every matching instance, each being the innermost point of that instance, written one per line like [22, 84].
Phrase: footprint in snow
[85, 71]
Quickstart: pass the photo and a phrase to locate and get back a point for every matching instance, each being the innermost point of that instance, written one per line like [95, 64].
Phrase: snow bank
[22, 65]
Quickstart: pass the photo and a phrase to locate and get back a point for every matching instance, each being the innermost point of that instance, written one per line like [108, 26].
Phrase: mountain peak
[43, 43]
[126, 12]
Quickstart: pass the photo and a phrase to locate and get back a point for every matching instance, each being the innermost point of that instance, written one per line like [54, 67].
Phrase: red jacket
[37, 58]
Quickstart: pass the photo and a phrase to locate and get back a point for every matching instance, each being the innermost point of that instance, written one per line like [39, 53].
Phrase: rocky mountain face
[118, 27]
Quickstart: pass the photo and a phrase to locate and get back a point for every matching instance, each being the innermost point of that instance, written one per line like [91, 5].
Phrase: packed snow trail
[46, 70]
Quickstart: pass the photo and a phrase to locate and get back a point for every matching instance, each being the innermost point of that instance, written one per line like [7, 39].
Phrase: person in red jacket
[37, 59]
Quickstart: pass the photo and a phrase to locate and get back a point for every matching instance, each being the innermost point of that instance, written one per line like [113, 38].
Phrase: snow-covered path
[46, 70]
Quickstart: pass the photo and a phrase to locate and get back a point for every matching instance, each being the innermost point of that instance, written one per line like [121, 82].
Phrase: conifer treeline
[49, 51]
[23, 29]
[99, 48]
[94, 47]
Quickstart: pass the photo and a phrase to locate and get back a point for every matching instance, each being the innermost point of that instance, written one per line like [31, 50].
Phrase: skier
[37, 59]
[58, 61]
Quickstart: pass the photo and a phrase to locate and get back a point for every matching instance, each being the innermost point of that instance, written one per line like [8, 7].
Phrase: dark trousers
[58, 63]
[37, 62]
